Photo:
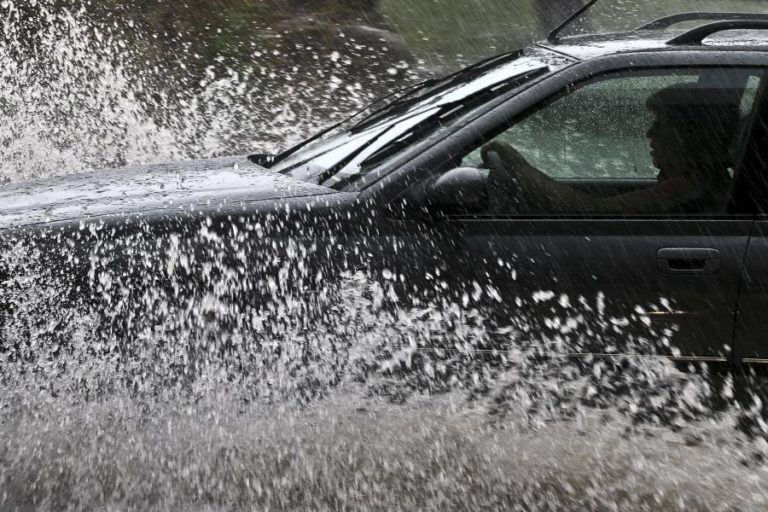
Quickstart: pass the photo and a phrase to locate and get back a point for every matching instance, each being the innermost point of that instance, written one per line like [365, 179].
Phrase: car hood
[193, 185]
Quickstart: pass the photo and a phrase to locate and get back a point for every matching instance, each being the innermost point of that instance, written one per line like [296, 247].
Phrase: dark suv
[522, 183]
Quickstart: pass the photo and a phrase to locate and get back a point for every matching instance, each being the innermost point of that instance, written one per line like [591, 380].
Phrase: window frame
[392, 186]
[575, 89]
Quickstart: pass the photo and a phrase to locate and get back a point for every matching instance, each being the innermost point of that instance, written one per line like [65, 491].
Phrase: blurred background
[438, 35]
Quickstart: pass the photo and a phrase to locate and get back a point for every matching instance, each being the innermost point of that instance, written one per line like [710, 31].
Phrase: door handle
[688, 260]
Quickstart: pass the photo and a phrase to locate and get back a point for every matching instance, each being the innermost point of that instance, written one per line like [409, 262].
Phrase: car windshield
[338, 159]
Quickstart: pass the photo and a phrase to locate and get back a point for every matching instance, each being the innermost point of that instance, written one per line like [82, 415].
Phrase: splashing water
[191, 397]
[76, 95]
[173, 389]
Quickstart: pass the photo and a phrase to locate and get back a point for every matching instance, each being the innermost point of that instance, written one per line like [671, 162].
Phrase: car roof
[585, 47]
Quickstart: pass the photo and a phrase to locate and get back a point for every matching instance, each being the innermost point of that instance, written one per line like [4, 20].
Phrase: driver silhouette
[690, 144]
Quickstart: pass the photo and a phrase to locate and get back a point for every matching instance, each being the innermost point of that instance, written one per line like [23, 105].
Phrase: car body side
[299, 242]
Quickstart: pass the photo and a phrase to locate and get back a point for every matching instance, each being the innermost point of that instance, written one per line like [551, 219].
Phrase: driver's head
[693, 128]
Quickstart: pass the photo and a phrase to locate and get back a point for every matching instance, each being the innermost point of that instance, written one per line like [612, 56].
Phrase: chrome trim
[702, 359]
[670, 313]
[681, 359]
[707, 359]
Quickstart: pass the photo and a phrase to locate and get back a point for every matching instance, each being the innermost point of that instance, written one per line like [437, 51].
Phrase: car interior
[593, 137]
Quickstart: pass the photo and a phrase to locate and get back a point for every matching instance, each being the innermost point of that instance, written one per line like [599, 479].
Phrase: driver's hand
[509, 156]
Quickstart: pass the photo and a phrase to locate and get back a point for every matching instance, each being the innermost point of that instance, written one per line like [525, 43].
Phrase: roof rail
[553, 36]
[697, 35]
[674, 19]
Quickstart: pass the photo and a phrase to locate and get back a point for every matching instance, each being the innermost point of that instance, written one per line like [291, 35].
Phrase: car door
[594, 282]
[751, 340]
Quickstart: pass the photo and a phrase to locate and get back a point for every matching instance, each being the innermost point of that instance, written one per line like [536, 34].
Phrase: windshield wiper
[462, 75]
[405, 99]
[409, 90]
[441, 110]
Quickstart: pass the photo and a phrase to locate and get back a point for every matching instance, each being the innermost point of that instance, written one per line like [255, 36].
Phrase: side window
[651, 142]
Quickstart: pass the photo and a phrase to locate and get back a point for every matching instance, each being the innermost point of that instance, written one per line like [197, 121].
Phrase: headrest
[681, 97]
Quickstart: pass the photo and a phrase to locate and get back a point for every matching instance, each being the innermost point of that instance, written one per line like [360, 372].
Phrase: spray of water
[177, 392]
[78, 94]
[201, 380]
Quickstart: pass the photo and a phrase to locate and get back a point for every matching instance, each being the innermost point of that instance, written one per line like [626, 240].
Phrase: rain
[183, 327]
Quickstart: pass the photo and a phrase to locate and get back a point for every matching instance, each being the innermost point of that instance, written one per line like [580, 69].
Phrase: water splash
[80, 94]
[344, 454]
[170, 386]
[177, 392]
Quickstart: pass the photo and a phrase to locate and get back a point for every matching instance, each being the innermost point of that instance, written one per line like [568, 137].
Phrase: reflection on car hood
[193, 185]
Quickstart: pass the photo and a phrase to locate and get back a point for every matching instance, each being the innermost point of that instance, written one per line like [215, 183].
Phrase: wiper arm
[448, 81]
[346, 160]
[411, 89]
[401, 102]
